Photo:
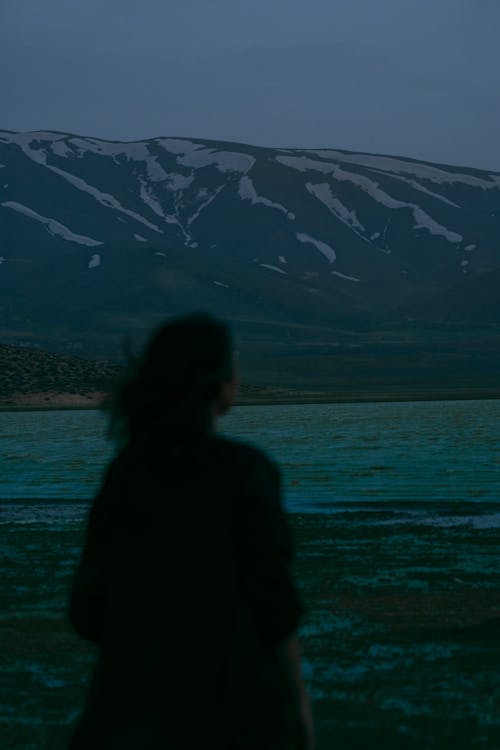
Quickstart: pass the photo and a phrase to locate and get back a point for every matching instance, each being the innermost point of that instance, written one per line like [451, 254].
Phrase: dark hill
[333, 267]
[35, 378]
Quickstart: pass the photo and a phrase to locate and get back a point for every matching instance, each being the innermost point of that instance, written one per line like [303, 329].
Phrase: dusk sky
[417, 78]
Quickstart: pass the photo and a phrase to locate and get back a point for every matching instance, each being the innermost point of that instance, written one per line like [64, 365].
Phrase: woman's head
[185, 377]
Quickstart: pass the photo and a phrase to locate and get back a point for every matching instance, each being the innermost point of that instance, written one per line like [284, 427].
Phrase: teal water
[330, 454]
[396, 528]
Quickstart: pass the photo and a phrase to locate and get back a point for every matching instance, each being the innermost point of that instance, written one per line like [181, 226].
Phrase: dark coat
[184, 584]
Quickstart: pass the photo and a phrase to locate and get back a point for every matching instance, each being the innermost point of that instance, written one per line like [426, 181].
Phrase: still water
[416, 453]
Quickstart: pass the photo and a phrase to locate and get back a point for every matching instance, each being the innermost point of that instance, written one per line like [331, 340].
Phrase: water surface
[330, 454]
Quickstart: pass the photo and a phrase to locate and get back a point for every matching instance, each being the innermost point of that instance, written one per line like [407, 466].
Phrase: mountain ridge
[247, 144]
[102, 239]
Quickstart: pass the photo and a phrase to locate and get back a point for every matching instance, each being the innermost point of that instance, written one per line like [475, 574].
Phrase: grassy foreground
[401, 637]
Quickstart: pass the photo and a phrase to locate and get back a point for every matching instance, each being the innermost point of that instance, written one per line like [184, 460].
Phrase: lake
[395, 512]
[330, 454]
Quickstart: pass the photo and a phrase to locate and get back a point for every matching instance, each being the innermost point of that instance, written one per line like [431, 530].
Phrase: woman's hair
[173, 385]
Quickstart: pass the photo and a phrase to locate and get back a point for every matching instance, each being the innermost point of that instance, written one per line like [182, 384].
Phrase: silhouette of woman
[184, 581]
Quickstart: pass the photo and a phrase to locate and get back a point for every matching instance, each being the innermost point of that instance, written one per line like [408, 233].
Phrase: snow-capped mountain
[98, 238]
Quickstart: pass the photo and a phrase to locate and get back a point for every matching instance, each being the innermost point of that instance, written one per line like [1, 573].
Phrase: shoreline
[346, 508]
[284, 400]
[399, 622]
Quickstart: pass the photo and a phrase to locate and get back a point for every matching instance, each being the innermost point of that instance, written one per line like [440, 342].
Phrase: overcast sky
[416, 78]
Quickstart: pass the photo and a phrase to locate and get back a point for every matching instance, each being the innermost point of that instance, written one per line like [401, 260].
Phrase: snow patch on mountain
[35, 154]
[61, 148]
[52, 226]
[224, 161]
[148, 198]
[417, 186]
[323, 192]
[154, 169]
[35, 136]
[420, 169]
[424, 221]
[369, 186]
[325, 249]
[179, 181]
[140, 153]
[273, 268]
[136, 151]
[177, 145]
[206, 203]
[104, 199]
[246, 191]
[345, 276]
[84, 145]
[306, 164]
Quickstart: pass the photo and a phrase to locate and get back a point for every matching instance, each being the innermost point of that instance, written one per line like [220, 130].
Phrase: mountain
[307, 252]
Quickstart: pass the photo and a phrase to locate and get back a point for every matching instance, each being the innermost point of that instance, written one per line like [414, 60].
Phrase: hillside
[313, 256]
[38, 379]
[31, 378]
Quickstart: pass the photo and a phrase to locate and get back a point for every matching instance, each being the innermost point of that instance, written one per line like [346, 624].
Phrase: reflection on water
[330, 454]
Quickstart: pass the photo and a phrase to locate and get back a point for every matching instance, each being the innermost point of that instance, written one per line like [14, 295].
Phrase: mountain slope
[101, 240]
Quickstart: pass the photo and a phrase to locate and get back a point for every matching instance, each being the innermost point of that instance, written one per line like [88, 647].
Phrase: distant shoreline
[283, 400]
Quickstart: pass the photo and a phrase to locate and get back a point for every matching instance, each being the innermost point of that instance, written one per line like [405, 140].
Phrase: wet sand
[401, 637]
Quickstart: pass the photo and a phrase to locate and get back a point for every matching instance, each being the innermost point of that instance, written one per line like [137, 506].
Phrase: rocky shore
[400, 636]
[31, 378]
